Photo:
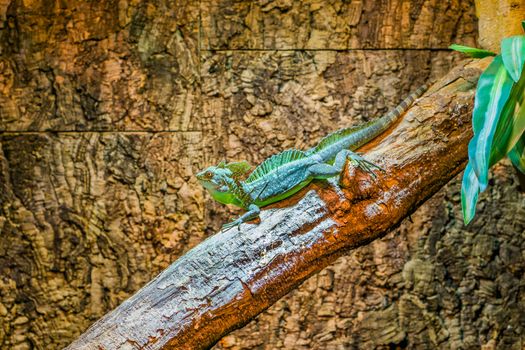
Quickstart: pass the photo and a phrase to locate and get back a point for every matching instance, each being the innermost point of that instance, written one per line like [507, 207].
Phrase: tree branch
[228, 279]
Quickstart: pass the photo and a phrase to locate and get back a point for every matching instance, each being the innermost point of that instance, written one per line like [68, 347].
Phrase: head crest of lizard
[237, 168]
[214, 177]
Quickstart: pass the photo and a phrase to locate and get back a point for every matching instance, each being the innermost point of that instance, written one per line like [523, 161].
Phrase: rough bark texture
[108, 108]
[231, 277]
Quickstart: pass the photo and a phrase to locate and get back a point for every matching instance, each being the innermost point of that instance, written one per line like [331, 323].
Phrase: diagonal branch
[224, 282]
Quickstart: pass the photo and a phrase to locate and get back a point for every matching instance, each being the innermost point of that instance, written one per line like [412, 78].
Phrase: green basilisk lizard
[285, 173]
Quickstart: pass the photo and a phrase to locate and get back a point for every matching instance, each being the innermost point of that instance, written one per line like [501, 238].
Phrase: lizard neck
[235, 194]
[225, 198]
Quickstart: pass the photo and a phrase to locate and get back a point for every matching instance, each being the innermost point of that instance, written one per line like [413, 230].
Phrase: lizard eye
[208, 175]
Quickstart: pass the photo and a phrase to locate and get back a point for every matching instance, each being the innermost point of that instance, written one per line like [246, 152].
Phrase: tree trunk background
[107, 109]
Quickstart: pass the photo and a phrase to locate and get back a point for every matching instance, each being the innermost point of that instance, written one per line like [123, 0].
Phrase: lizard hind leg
[323, 171]
[356, 160]
[252, 213]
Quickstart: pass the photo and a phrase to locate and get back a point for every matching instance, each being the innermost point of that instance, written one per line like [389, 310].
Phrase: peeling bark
[234, 275]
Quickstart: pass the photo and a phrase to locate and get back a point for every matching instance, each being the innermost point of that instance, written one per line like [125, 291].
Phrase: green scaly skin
[283, 174]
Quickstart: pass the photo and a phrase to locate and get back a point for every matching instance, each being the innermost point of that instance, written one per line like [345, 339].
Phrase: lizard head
[218, 180]
[214, 178]
[217, 177]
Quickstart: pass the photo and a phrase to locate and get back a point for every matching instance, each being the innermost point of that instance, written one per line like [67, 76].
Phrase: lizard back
[274, 162]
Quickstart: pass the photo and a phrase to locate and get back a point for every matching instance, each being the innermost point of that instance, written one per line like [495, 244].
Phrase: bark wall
[107, 109]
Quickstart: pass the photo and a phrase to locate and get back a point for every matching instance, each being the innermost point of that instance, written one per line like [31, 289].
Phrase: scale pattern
[332, 138]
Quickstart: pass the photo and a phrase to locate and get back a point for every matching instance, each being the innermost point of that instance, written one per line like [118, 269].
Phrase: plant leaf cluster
[498, 119]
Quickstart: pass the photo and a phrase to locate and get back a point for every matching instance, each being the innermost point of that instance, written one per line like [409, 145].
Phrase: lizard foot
[230, 225]
[360, 162]
[252, 213]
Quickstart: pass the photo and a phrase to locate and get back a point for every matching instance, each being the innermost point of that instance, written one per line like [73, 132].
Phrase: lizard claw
[365, 165]
[252, 213]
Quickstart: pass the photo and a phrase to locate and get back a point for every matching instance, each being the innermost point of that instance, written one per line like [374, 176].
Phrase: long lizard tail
[385, 121]
[355, 137]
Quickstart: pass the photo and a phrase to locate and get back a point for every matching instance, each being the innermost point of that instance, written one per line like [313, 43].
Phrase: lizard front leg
[252, 213]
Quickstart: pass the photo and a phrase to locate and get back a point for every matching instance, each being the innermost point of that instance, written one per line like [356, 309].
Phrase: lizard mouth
[207, 182]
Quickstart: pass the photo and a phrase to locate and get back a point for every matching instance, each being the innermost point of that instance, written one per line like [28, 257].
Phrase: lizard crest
[274, 162]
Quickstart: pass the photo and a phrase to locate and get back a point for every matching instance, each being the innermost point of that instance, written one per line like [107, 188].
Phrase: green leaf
[523, 25]
[469, 194]
[513, 53]
[511, 124]
[517, 154]
[472, 51]
[493, 90]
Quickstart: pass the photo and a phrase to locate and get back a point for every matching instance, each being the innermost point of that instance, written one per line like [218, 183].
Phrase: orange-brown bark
[234, 275]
